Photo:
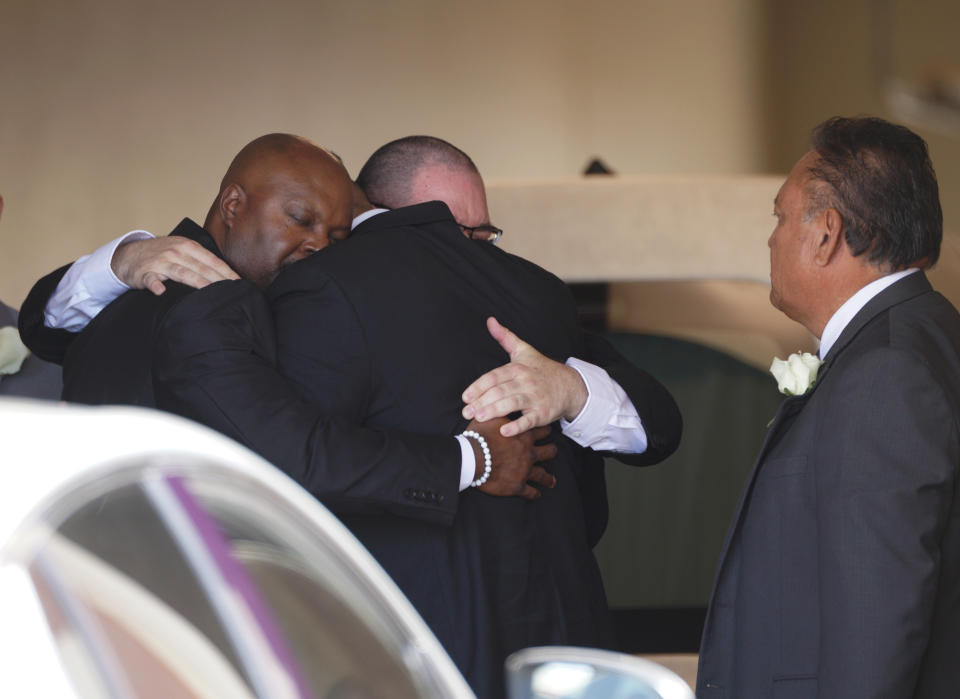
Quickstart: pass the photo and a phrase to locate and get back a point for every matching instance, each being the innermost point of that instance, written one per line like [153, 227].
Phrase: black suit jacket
[840, 576]
[117, 357]
[110, 361]
[214, 362]
[387, 329]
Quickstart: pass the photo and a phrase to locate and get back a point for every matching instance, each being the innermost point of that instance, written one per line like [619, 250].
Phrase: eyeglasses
[484, 231]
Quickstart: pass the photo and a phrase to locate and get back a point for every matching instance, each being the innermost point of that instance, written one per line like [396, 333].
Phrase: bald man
[282, 198]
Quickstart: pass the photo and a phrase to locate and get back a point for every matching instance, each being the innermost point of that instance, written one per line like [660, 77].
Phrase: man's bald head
[250, 162]
[282, 198]
[417, 169]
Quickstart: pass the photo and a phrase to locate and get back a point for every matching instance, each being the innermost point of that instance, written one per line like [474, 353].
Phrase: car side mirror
[560, 672]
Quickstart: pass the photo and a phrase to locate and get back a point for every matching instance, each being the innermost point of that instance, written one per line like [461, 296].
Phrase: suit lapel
[788, 409]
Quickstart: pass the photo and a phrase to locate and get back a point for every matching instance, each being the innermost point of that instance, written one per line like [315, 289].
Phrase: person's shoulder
[225, 298]
[139, 304]
[931, 309]
[527, 266]
[888, 364]
[927, 325]
[315, 271]
[529, 272]
[374, 244]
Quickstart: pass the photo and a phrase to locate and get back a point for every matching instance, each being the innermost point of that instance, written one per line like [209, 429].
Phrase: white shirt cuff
[608, 420]
[468, 462]
[87, 287]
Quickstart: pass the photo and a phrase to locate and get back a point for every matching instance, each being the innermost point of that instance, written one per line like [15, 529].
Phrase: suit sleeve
[215, 362]
[47, 343]
[656, 407]
[885, 483]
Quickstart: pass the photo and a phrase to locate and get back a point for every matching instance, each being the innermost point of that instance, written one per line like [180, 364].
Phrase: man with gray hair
[840, 575]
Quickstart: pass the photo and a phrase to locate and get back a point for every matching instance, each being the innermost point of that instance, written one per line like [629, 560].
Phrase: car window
[164, 580]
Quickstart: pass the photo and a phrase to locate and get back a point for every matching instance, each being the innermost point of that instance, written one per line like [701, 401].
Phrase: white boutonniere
[12, 351]
[797, 374]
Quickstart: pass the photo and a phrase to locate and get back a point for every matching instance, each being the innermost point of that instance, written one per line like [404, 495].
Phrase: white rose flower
[12, 351]
[797, 374]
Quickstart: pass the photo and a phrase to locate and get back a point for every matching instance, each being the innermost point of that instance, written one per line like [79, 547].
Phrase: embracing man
[385, 331]
[840, 575]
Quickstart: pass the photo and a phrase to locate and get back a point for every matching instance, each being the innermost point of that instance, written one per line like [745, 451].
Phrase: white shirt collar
[369, 213]
[853, 305]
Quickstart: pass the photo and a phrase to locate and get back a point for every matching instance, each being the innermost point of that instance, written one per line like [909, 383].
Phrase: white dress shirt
[843, 315]
[87, 287]
[607, 422]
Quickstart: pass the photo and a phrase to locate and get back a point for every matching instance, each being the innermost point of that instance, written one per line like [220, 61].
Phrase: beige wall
[828, 57]
[120, 114]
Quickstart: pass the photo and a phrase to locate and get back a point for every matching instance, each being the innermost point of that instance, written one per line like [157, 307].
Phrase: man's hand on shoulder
[539, 388]
[146, 264]
[514, 460]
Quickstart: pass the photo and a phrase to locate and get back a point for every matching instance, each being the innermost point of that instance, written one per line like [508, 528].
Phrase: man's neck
[839, 320]
[838, 285]
[361, 207]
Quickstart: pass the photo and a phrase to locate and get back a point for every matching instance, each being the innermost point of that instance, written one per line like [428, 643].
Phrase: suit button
[440, 498]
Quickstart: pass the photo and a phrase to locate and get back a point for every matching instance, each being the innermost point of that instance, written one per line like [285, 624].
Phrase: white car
[142, 555]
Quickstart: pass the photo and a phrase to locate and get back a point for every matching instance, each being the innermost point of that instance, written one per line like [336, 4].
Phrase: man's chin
[794, 313]
[775, 300]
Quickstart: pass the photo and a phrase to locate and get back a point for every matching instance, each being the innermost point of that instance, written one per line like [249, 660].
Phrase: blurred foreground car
[142, 555]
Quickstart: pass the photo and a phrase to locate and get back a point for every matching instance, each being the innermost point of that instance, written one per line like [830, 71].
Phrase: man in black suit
[400, 311]
[840, 576]
[281, 199]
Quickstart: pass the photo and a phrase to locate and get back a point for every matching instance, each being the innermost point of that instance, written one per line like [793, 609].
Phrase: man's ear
[1, 205]
[831, 239]
[232, 201]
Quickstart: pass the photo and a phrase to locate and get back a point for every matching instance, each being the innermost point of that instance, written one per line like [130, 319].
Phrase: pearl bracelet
[487, 461]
